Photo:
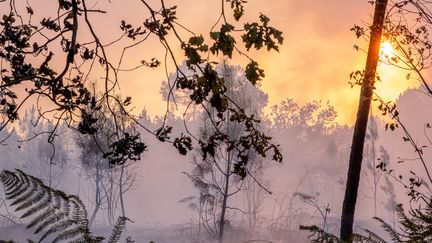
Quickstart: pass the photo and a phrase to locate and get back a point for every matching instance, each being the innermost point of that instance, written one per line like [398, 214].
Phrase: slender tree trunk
[356, 155]
[199, 221]
[121, 192]
[110, 197]
[97, 195]
[225, 200]
[375, 176]
[50, 174]
[225, 190]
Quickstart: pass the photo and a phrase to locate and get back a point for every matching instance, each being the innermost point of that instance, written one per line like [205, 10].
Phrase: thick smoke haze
[310, 180]
[192, 190]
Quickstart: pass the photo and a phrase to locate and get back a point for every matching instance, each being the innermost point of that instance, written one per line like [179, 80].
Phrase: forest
[227, 121]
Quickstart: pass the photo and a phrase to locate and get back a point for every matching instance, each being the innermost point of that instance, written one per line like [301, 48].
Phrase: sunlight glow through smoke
[386, 50]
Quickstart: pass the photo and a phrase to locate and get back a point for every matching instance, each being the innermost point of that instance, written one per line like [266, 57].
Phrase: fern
[129, 240]
[318, 235]
[54, 213]
[370, 238]
[416, 226]
[394, 235]
[118, 230]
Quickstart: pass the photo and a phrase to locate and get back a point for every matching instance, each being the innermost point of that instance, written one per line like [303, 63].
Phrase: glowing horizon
[313, 64]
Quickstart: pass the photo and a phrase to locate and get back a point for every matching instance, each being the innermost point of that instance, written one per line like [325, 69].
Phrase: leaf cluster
[66, 90]
[260, 35]
[129, 147]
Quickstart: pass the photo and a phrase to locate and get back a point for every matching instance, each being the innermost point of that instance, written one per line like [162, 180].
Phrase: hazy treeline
[166, 190]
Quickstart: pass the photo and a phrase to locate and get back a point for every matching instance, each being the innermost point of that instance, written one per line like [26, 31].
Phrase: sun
[387, 51]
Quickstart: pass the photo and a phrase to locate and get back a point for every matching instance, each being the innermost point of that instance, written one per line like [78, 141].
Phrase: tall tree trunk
[375, 176]
[226, 187]
[97, 195]
[50, 173]
[111, 199]
[356, 155]
[122, 192]
[225, 199]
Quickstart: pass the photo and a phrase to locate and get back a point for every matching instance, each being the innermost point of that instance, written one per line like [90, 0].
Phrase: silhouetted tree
[41, 153]
[356, 156]
[50, 60]
[220, 174]
[69, 36]
[316, 146]
[374, 157]
[110, 182]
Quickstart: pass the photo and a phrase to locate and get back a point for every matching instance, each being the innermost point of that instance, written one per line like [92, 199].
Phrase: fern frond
[60, 227]
[46, 223]
[43, 204]
[370, 238]
[18, 188]
[418, 226]
[87, 239]
[78, 212]
[318, 235]
[28, 202]
[395, 236]
[187, 199]
[25, 197]
[9, 182]
[39, 218]
[414, 227]
[118, 229]
[68, 234]
[55, 214]
[129, 240]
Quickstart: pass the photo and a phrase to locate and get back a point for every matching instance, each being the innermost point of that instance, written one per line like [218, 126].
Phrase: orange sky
[314, 62]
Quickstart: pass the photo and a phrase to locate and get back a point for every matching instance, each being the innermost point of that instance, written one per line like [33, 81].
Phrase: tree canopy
[55, 60]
